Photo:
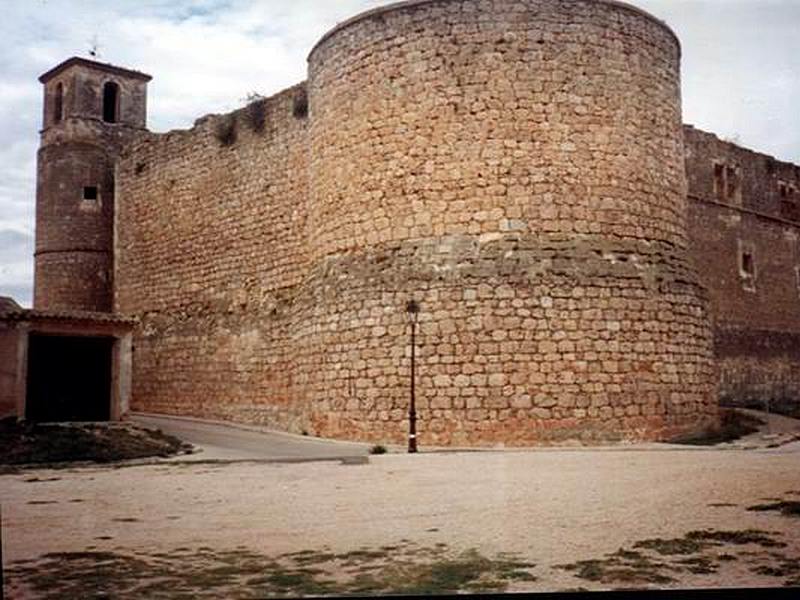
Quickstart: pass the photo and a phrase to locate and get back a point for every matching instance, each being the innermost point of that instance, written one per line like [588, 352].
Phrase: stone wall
[515, 167]
[74, 235]
[210, 243]
[521, 340]
[9, 367]
[486, 117]
[755, 301]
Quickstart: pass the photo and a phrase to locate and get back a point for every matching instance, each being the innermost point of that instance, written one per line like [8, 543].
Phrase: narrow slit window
[748, 265]
[58, 103]
[90, 193]
[747, 269]
[110, 102]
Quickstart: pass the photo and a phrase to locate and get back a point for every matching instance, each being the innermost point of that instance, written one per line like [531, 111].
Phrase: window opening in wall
[797, 277]
[90, 193]
[58, 103]
[719, 181]
[747, 266]
[727, 182]
[732, 177]
[110, 102]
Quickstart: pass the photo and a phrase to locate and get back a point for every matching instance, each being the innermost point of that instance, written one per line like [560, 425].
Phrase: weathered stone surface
[74, 235]
[743, 202]
[517, 168]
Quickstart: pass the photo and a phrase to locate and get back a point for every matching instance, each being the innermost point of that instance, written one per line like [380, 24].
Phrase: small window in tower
[90, 193]
[719, 181]
[58, 103]
[110, 102]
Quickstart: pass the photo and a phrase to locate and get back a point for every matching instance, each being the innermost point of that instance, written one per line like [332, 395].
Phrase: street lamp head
[412, 309]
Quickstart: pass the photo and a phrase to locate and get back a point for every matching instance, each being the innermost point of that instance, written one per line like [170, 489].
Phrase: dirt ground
[560, 519]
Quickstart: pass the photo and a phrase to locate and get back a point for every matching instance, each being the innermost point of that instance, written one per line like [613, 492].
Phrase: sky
[741, 73]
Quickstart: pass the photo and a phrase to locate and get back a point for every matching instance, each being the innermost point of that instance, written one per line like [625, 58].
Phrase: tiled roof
[8, 304]
[93, 64]
[13, 312]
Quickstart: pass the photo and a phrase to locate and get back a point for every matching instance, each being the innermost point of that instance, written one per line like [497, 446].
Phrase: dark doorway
[69, 378]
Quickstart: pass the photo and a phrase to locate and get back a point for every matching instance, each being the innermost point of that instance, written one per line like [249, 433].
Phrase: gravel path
[551, 507]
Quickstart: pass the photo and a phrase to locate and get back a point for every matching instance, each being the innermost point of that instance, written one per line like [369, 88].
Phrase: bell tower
[91, 111]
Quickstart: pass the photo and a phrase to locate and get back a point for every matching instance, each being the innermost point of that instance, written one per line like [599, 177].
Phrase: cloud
[16, 265]
[741, 69]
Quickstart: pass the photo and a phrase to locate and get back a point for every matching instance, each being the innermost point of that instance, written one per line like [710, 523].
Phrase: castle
[586, 266]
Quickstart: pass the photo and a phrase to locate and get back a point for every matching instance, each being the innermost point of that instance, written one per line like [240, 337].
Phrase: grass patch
[695, 542]
[467, 572]
[378, 449]
[631, 567]
[614, 570]
[747, 536]
[784, 566]
[789, 508]
[671, 547]
[699, 565]
[31, 443]
[184, 573]
[734, 425]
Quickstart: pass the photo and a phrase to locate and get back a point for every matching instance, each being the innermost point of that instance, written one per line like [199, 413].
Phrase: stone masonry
[744, 215]
[75, 182]
[516, 167]
[519, 168]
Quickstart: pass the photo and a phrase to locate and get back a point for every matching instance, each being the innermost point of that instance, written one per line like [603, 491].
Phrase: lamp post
[412, 311]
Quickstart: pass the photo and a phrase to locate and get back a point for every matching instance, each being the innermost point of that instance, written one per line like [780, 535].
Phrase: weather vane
[94, 48]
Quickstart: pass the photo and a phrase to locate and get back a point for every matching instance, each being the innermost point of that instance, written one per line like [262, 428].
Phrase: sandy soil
[551, 507]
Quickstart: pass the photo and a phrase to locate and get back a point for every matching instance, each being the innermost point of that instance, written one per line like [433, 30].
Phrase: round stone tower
[516, 167]
[91, 110]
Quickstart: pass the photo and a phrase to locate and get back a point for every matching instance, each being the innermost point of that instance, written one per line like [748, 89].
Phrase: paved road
[230, 442]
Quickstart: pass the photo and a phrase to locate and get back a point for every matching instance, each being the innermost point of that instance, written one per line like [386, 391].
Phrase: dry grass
[94, 442]
[389, 570]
